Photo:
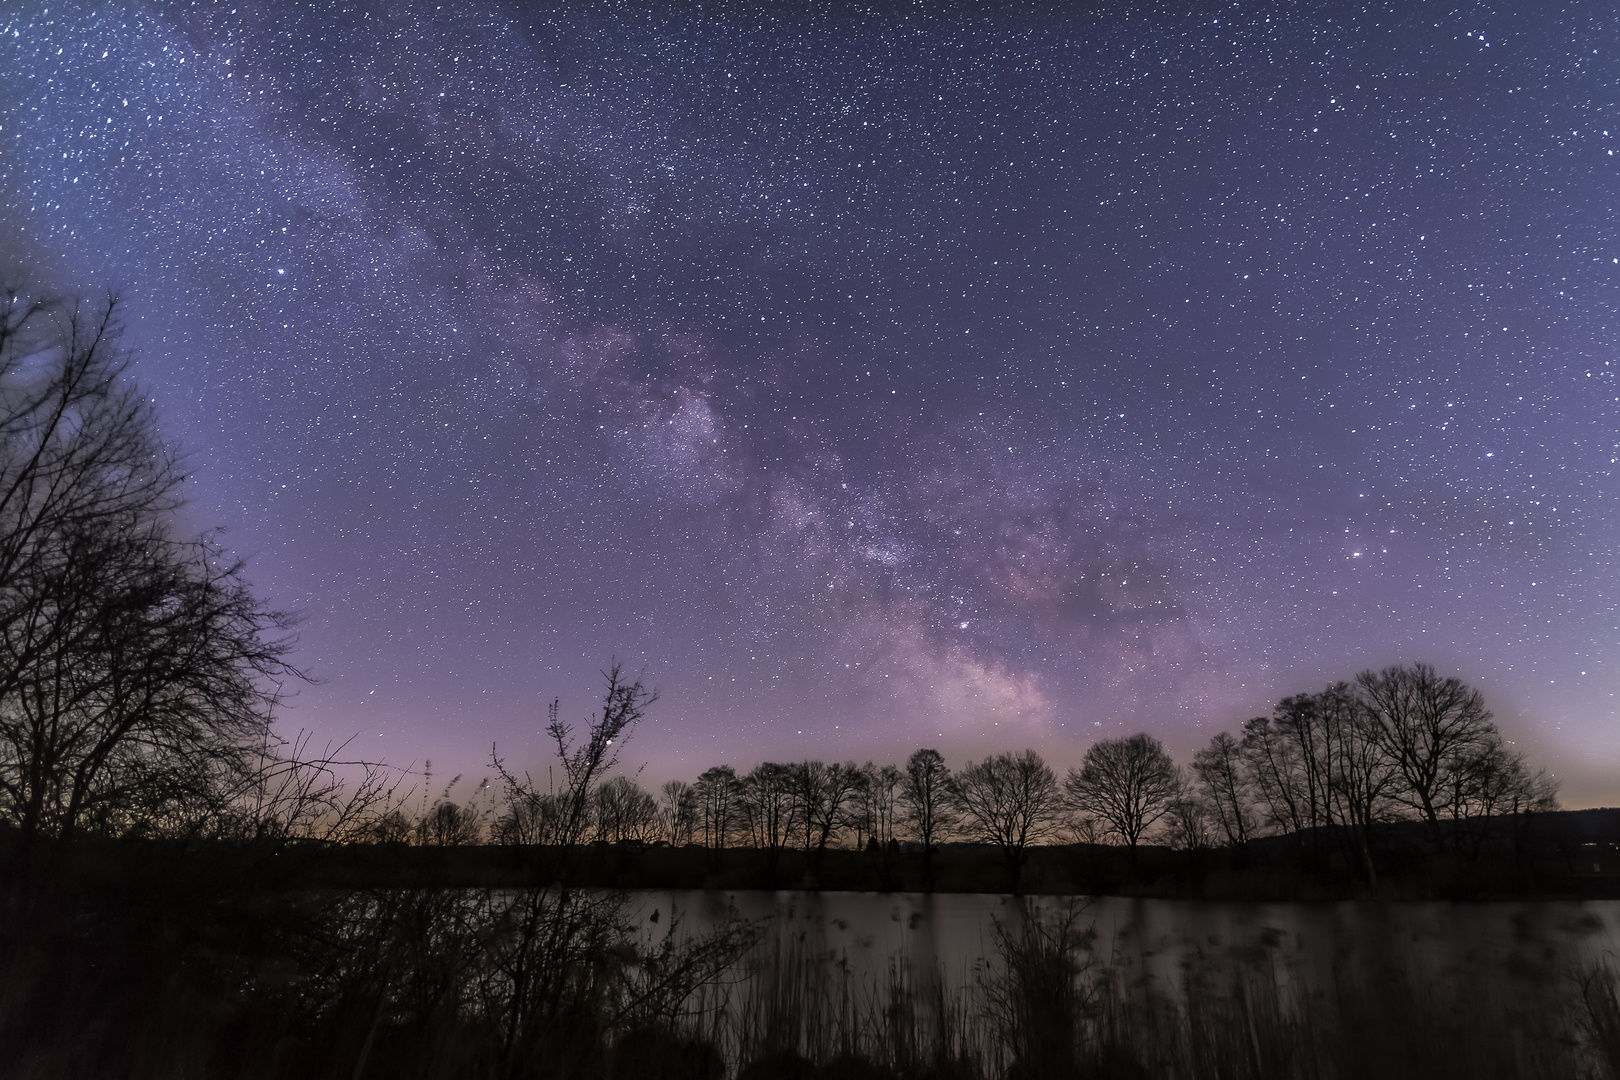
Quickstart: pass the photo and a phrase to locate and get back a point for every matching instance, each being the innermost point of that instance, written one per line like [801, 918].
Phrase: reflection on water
[1521, 950]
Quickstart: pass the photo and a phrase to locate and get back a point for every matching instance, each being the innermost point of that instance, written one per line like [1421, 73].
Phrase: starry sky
[976, 376]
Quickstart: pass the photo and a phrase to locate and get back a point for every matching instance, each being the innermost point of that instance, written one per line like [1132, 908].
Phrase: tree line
[1404, 743]
[139, 675]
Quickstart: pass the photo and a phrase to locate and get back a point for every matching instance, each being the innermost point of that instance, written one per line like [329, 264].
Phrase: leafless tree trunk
[879, 790]
[768, 799]
[1277, 774]
[718, 794]
[1299, 720]
[1362, 775]
[1187, 820]
[138, 672]
[825, 793]
[1224, 782]
[1130, 783]
[1011, 801]
[929, 808]
[449, 824]
[861, 817]
[625, 811]
[1432, 729]
[679, 811]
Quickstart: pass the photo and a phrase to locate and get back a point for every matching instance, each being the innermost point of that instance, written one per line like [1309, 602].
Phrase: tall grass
[1050, 1005]
[179, 979]
[795, 1005]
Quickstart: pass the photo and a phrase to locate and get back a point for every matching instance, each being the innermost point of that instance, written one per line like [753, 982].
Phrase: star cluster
[873, 376]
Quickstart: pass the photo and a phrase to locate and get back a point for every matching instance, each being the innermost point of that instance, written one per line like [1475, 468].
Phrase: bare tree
[680, 812]
[138, 672]
[1129, 783]
[929, 809]
[825, 794]
[1219, 772]
[449, 824]
[562, 814]
[1490, 784]
[1432, 729]
[808, 778]
[719, 794]
[880, 791]
[624, 811]
[394, 827]
[1277, 774]
[1086, 828]
[556, 956]
[527, 814]
[548, 935]
[769, 805]
[1300, 720]
[1186, 819]
[861, 815]
[298, 794]
[1363, 776]
[876, 805]
[1009, 800]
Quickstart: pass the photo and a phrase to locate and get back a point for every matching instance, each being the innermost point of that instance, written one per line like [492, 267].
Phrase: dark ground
[148, 959]
[1563, 854]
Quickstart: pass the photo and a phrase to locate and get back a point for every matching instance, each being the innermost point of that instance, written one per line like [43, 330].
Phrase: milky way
[869, 378]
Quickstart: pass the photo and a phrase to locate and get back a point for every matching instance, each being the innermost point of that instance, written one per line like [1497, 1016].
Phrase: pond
[1503, 978]
[1526, 942]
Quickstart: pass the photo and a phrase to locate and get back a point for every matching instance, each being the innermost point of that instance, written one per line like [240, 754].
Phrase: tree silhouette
[623, 810]
[449, 824]
[138, 672]
[1432, 729]
[1222, 780]
[770, 805]
[930, 811]
[1129, 783]
[679, 810]
[1009, 800]
[1277, 774]
[719, 794]
[560, 816]
[824, 794]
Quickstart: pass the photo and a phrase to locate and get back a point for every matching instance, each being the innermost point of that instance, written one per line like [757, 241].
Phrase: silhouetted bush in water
[800, 1011]
[1043, 997]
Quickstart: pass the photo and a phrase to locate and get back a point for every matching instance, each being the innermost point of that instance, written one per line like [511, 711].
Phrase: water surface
[1524, 950]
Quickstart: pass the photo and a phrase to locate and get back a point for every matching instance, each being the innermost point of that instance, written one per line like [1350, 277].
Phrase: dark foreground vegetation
[166, 974]
[183, 894]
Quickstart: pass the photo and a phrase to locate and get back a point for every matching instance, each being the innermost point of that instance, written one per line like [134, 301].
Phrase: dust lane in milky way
[981, 378]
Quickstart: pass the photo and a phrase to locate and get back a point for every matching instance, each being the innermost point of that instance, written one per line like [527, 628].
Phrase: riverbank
[1568, 855]
[164, 975]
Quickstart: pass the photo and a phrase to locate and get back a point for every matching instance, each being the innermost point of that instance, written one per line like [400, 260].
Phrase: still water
[1522, 950]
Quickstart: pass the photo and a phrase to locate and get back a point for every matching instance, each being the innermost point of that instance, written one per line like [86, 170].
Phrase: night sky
[872, 378]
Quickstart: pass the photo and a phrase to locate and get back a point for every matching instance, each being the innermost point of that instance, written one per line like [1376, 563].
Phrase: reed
[183, 979]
